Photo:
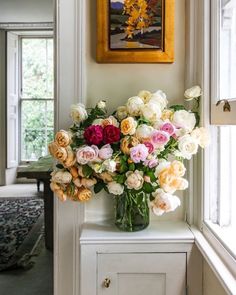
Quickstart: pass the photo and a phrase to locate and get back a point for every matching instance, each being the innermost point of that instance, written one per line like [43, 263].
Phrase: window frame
[213, 116]
[28, 35]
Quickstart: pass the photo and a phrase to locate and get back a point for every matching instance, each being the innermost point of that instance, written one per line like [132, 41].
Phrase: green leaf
[120, 178]
[59, 166]
[177, 107]
[197, 116]
[98, 187]
[148, 188]
[87, 171]
[151, 175]
[132, 167]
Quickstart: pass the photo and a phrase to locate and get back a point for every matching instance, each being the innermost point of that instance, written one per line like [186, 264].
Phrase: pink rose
[169, 128]
[150, 146]
[105, 152]
[87, 154]
[139, 153]
[160, 137]
[94, 134]
[151, 163]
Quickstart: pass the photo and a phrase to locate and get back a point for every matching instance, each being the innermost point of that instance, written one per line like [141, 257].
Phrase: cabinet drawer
[142, 274]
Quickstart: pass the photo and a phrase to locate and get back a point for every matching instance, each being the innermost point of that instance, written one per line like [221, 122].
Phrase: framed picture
[135, 31]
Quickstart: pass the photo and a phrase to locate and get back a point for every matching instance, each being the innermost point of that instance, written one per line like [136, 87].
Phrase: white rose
[145, 95]
[193, 92]
[159, 98]
[202, 136]
[61, 177]
[134, 180]
[163, 164]
[164, 202]
[109, 165]
[188, 146]
[97, 122]
[144, 131]
[151, 112]
[115, 188]
[134, 105]
[184, 119]
[121, 113]
[78, 113]
[101, 104]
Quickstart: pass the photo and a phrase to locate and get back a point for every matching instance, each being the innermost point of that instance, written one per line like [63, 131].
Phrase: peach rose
[57, 151]
[59, 191]
[88, 182]
[127, 143]
[170, 183]
[128, 126]
[177, 168]
[84, 194]
[110, 121]
[63, 138]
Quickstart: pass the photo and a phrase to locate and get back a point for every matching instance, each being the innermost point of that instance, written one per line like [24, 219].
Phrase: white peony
[134, 180]
[134, 105]
[151, 112]
[61, 176]
[101, 104]
[115, 188]
[78, 113]
[164, 202]
[188, 146]
[202, 136]
[121, 113]
[144, 131]
[109, 165]
[159, 98]
[193, 92]
[184, 119]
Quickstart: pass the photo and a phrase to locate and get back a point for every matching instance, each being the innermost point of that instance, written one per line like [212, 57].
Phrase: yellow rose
[128, 126]
[170, 182]
[167, 115]
[127, 143]
[63, 138]
[58, 152]
[84, 194]
[177, 168]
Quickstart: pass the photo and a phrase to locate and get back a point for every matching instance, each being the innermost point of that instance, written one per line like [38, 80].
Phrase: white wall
[117, 82]
[211, 285]
[26, 11]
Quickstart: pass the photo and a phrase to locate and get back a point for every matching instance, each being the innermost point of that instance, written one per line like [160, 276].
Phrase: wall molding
[27, 26]
[70, 89]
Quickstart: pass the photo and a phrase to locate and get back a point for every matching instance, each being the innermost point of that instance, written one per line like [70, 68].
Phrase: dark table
[41, 170]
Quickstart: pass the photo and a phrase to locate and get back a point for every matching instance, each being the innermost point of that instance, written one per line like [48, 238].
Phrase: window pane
[228, 49]
[36, 128]
[37, 68]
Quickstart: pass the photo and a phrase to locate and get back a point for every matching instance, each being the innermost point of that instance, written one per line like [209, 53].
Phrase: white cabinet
[151, 262]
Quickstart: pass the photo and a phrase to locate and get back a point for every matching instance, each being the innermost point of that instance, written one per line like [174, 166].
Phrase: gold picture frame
[150, 50]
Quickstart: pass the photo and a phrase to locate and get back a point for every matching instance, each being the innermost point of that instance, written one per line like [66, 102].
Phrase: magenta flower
[169, 128]
[151, 163]
[150, 146]
[159, 137]
[94, 134]
[139, 153]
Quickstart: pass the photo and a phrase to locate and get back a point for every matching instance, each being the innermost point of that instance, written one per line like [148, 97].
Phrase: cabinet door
[142, 274]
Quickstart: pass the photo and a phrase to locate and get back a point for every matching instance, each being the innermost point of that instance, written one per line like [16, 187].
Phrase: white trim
[70, 88]
[222, 272]
[26, 26]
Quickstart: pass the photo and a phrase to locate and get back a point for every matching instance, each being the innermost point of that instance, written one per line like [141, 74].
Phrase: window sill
[225, 275]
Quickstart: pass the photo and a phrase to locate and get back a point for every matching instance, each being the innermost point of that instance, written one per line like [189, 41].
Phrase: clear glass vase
[132, 211]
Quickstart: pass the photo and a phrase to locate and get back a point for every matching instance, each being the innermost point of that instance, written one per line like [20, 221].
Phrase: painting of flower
[136, 24]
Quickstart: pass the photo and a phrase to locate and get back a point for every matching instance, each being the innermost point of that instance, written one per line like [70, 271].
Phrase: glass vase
[132, 211]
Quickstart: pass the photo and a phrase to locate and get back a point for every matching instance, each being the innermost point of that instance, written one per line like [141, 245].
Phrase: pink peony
[105, 152]
[139, 153]
[169, 128]
[94, 134]
[150, 146]
[160, 137]
[87, 154]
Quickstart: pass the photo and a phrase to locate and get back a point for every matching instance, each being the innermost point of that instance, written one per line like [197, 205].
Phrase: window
[220, 205]
[36, 96]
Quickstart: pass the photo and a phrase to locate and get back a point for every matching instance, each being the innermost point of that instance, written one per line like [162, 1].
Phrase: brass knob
[107, 283]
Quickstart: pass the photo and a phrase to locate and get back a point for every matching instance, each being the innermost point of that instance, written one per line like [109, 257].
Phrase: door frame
[69, 89]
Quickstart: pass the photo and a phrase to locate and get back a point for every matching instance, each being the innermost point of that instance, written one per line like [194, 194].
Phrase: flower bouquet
[135, 154]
